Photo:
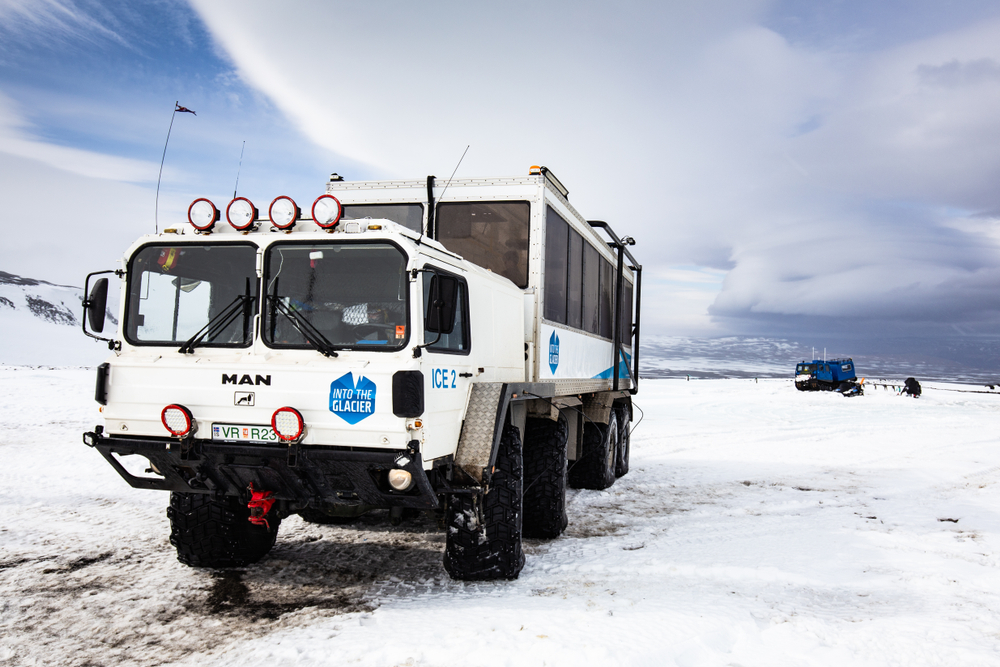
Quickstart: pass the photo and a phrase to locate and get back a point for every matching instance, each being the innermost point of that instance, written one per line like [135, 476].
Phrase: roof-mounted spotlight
[203, 215]
[326, 211]
[241, 214]
[283, 212]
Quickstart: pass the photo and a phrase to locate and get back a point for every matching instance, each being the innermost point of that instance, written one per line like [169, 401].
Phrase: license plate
[243, 433]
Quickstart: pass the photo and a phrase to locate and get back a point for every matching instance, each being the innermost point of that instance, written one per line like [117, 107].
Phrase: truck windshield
[175, 291]
[351, 294]
[806, 368]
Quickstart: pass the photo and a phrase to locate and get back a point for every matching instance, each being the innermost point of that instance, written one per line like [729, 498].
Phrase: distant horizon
[960, 358]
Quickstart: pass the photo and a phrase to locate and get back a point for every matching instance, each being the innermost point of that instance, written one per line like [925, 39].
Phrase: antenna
[238, 169]
[453, 173]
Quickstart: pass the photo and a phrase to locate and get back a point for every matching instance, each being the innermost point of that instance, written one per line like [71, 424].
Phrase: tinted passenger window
[591, 288]
[626, 335]
[410, 216]
[574, 286]
[607, 298]
[556, 260]
[493, 235]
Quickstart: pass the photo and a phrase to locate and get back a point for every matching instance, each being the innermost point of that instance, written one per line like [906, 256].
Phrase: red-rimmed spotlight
[326, 211]
[287, 423]
[241, 214]
[203, 215]
[177, 419]
[283, 212]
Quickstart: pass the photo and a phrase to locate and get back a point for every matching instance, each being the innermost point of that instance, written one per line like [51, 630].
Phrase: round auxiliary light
[241, 213]
[326, 211]
[400, 480]
[287, 423]
[203, 215]
[177, 419]
[283, 212]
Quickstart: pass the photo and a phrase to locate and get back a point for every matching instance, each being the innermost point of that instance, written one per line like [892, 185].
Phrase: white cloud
[59, 19]
[16, 139]
[818, 179]
[59, 225]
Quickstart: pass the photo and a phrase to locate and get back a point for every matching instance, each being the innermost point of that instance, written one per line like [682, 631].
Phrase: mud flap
[482, 428]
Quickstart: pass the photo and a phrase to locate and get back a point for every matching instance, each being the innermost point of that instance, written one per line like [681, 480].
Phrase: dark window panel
[574, 286]
[456, 340]
[591, 288]
[626, 334]
[410, 216]
[556, 242]
[493, 235]
[607, 299]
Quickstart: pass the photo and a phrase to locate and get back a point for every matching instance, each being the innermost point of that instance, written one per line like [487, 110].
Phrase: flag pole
[156, 210]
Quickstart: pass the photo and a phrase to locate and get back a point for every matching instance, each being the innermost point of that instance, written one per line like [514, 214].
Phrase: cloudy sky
[777, 161]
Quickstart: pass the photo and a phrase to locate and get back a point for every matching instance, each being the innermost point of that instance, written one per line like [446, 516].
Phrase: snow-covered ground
[758, 526]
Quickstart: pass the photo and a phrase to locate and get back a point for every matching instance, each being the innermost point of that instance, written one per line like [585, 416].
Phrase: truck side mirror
[440, 316]
[97, 304]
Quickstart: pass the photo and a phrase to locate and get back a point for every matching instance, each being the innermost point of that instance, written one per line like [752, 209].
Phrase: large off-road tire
[545, 477]
[595, 469]
[624, 443]
[217, 533]
[490, 548]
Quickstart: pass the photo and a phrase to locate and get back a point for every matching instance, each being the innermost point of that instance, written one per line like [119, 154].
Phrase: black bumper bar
[303, 476]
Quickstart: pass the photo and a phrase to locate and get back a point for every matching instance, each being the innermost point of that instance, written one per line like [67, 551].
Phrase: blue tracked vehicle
[827, 375]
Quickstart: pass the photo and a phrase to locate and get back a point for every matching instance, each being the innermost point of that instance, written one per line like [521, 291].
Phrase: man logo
[244, 398]
[246, 379]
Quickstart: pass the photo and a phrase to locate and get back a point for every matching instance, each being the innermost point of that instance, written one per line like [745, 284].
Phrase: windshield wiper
[242, 302]
[303, 326]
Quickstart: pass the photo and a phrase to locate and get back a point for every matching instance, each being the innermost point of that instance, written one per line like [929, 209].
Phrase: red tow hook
[260, 504]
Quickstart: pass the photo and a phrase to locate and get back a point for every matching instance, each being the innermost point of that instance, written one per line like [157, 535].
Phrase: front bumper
[302, 476]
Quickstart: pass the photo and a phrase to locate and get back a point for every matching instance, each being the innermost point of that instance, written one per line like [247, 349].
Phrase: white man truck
[469, 348]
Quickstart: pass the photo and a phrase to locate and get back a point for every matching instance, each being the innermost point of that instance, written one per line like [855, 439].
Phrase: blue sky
[777, 161]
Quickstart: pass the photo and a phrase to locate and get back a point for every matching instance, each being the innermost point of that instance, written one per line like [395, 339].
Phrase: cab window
[443, 286]
[352, 294]
[177, 291]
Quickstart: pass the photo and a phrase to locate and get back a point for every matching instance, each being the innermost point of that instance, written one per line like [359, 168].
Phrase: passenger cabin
[578, 287]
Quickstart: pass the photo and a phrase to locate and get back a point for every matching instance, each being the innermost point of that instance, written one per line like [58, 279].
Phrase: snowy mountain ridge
[47, 301]
[40, 324]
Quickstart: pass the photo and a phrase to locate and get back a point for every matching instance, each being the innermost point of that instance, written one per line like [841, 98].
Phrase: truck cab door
[447, 358]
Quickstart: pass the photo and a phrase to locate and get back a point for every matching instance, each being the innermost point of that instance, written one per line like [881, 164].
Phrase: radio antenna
[453, 174]
[238, 169]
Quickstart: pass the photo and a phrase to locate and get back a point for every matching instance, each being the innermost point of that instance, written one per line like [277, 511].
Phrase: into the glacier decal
[553, 352]
[352, 401]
